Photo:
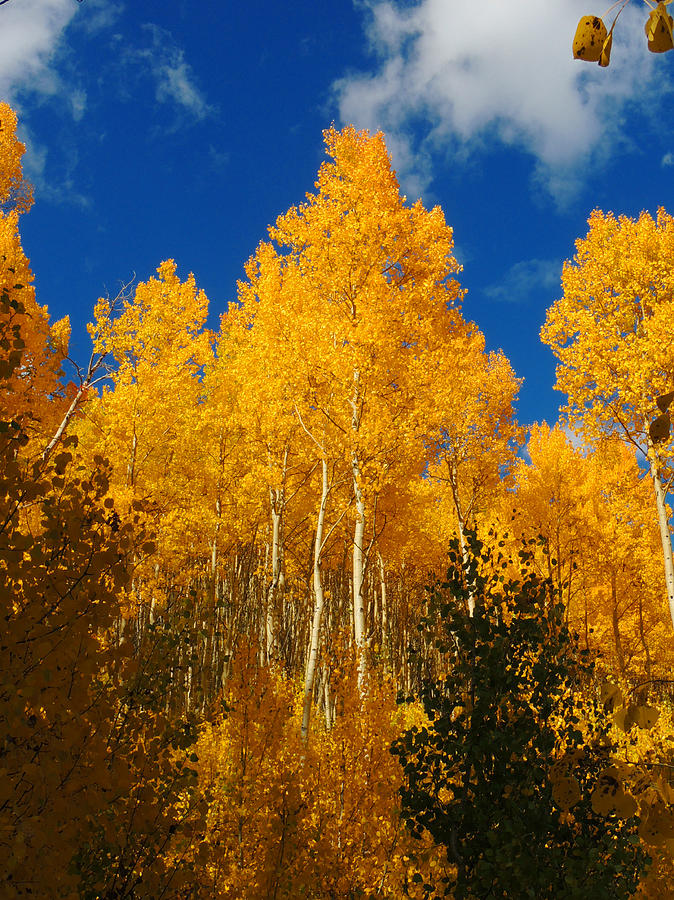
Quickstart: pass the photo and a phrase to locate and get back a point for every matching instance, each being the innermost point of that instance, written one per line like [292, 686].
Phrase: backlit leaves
[609, 798]
[658, 29]
[592, 41]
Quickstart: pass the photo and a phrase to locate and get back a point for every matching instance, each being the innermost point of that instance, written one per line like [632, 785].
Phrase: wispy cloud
[37, 66]
[101, 15]
[36, 167]
[175, 82]
[33, 60]
[30, 35]
[452, 75]
[667, 160]
[526, 278]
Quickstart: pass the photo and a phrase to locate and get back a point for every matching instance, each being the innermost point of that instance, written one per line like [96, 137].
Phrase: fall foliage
[221, 563]
[592, 41]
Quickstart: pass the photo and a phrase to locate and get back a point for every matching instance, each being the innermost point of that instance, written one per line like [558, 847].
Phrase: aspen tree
[359, 285]
[612, 333]
[472, 432]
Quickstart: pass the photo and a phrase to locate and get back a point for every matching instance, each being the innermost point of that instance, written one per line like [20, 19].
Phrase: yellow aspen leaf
[659, 428]
[659, 30]
[611, 696]
[588, 42]
[664, 401]
[625, 805]
[619, 719]
[605, 57]
[608, 797]
[565, 792]
[658, 826]
[643, 716]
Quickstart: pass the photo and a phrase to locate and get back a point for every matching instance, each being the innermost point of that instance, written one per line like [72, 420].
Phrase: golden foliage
[592, 42]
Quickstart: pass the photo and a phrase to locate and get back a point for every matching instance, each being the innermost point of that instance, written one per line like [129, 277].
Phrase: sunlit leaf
[589, 39]
[658, 30]
[643, 716]
[605, 57]
[619, 719]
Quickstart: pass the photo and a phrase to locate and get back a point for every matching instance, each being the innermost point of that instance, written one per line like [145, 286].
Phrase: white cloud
[173, 76]
[667, 160]
[35, 167]
[100, 15]
[30, 33]
[525, 277]
[456, 76]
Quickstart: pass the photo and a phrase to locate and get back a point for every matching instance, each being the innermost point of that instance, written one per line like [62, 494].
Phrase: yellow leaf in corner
[658, 30]
[605, 57]
[588, 42]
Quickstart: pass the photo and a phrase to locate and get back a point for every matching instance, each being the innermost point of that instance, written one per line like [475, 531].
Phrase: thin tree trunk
[665, 536]
[616, 626]
[276, 497]
[642, 635]
[72, 409]
[319, 602]
[359, 632]
[454, 483]
[384, 603]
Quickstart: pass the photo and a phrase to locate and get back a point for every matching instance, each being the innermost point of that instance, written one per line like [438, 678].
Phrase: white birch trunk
[319, 602]
[454, 482]
[359, 632]
[72, 409]
[276, 506]
[384, 602]
[665, 536]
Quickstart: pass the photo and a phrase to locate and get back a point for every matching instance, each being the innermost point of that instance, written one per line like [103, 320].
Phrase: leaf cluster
[592, 41]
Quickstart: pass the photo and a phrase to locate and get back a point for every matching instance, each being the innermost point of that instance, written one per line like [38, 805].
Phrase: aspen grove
[297, 608]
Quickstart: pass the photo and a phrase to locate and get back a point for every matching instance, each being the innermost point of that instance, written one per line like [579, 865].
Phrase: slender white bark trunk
[359, 631]
[665, 535]
[319, 602]
[276, 513]
[72, 409]
[277, 499]
[384, 605]
[454, 483]
[131, 466]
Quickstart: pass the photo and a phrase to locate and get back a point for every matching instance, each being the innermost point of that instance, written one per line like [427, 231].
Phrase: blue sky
[182, 130]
